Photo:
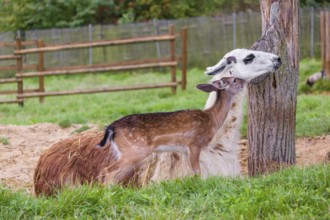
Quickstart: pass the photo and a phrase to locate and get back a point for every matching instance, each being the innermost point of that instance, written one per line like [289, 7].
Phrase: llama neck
[220, 108]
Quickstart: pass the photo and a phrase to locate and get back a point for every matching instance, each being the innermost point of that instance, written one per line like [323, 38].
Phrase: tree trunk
[272, 103]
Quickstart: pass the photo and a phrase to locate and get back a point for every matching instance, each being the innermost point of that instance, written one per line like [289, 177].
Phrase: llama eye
[231, 59]
[248, 59]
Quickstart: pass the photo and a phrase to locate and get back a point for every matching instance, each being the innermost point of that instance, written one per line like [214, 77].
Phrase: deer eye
[248, 59]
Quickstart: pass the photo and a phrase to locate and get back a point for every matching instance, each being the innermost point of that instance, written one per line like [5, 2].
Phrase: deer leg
[124, 174]
[106, 175]
[123, 170]
[194, 159]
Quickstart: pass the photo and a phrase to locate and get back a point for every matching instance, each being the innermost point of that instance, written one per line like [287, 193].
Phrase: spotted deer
[133, 138]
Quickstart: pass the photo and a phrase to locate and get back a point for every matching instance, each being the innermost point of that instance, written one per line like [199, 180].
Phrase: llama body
[221, 156]
[135, 137]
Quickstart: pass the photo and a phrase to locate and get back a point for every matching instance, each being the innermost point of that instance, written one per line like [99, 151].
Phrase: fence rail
[96, 69]
[100, 90]
[97, 44]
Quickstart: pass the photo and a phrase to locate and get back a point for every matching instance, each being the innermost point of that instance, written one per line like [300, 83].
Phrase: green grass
[313, 110]
[307, 68]
[313, 115]
[295, 193]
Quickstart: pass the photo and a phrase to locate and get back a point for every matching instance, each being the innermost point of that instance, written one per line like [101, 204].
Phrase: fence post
[154, 21]
[184, 58]
[90, 38]
[19, 69]
[234, 30]
[41, 67]
[327, 43]
[18, 34]
[311, 13]
[172, 58]
[322, 35]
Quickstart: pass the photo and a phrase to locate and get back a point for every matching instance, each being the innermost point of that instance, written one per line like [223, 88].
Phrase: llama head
[245, 64]
[229, 84]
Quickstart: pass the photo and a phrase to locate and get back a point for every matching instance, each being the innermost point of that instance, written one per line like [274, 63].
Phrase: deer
[133, 138]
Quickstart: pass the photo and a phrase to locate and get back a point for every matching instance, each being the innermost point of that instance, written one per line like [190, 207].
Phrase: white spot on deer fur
[171, 148]
[115, 150]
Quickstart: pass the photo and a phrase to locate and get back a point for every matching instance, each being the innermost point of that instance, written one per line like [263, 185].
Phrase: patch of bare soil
[21, 146]
[309, 151]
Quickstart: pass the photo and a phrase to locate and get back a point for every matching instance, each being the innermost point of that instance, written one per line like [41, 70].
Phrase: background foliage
[36, 14]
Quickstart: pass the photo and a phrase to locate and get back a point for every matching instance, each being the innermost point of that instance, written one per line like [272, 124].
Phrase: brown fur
[76, 160]
[71, 161]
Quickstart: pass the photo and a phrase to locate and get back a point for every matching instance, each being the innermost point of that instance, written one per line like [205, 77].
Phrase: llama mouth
[214, 71]
[277, 66]
[211, 71]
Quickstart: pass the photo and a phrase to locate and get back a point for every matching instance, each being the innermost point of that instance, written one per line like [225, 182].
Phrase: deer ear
[206, 87]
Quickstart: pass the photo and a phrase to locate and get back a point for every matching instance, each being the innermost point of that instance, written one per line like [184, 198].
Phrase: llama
[76, 160]
[315, 77]
[133, 138]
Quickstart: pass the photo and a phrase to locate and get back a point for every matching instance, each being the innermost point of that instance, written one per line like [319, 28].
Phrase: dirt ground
[21, 146]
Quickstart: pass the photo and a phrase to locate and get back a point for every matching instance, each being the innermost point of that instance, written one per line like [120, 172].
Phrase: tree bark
[272, 103]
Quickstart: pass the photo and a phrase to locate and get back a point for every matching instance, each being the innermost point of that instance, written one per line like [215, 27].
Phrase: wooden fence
[41, 71]
[325, 41]
[18, 64]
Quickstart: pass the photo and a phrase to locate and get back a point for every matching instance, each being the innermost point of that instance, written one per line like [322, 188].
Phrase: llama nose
[279, 60]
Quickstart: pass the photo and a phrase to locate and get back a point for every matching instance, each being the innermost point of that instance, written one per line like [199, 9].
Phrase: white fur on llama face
[245, 64]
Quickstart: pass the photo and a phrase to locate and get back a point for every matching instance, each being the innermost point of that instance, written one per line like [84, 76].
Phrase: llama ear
[218, 68]
[206, 87]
